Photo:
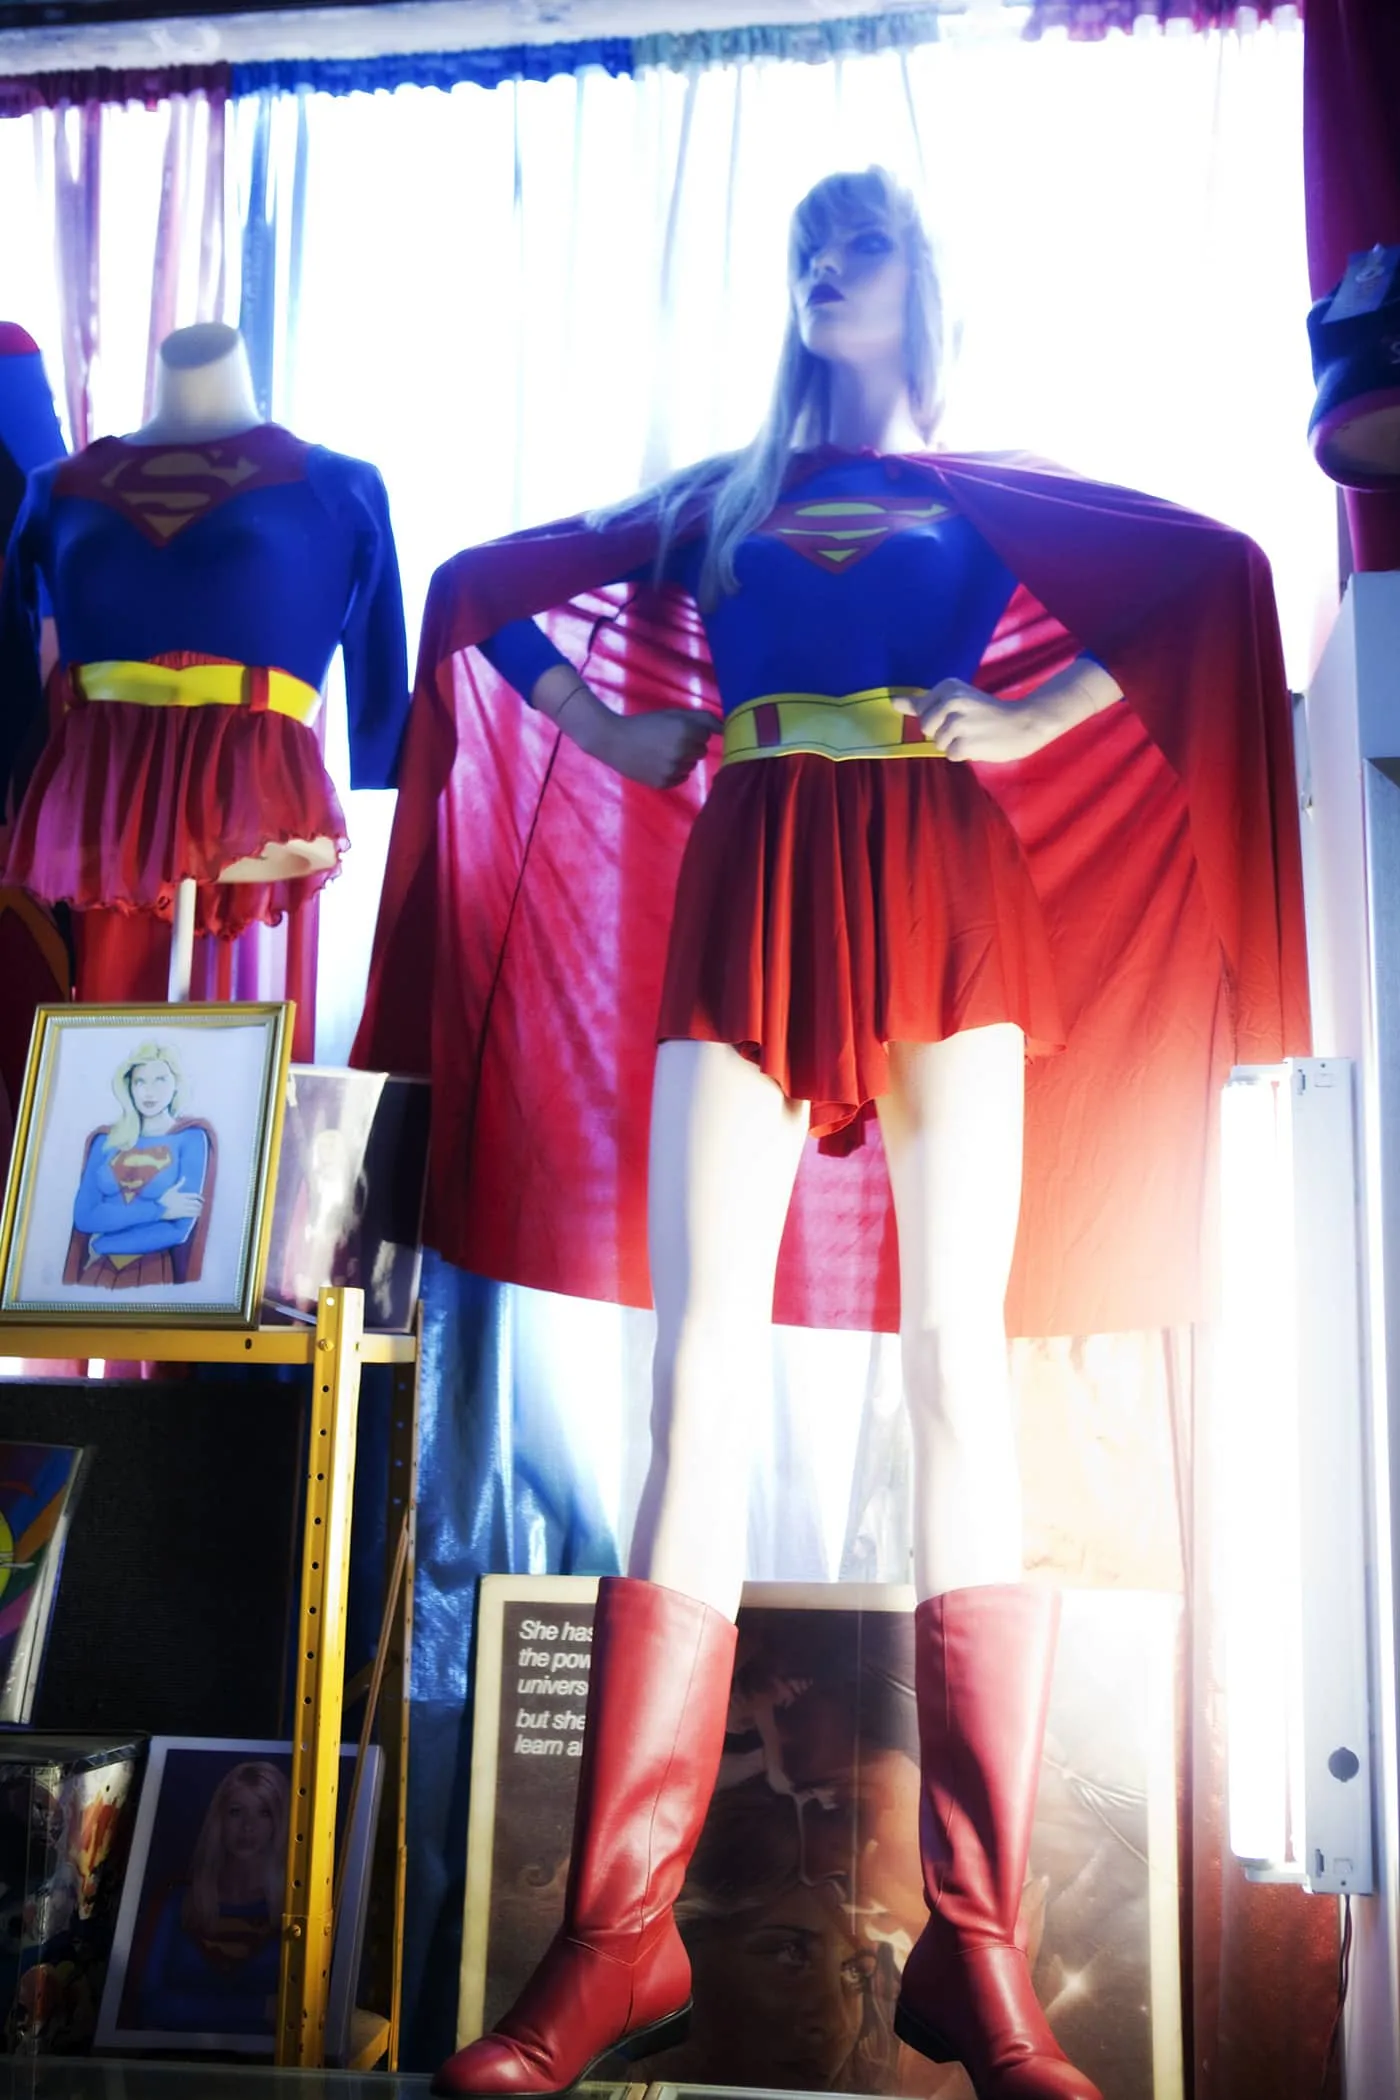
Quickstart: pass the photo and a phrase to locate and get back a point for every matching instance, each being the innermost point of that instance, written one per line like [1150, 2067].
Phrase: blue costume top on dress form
[918, 598]
[258, 549]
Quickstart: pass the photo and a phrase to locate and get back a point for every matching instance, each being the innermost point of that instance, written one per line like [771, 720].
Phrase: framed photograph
[140, 1183]
[351, 1176]
[804, 1894]
[197, 1948]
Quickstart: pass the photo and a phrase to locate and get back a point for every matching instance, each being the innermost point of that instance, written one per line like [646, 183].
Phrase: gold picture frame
[140, 1185]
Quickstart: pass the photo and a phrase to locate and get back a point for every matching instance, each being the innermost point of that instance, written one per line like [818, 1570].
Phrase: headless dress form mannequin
[203, 572]
[204, 391]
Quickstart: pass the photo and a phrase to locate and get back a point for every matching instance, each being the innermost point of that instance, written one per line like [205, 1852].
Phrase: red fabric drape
[126, 956]
[22, 93]
[1351, 146]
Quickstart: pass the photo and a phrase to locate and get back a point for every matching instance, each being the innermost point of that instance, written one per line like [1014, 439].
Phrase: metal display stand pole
[334, 1353]
[182, 943]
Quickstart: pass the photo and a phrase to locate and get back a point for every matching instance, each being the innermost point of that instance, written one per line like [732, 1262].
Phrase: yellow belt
[198, 685]
[829, 725]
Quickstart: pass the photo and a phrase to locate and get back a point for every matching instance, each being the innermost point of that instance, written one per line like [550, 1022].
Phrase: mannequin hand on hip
[965, 723]
[660, 748]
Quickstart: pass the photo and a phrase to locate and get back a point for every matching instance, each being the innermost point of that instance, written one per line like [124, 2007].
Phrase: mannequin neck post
[204, 387]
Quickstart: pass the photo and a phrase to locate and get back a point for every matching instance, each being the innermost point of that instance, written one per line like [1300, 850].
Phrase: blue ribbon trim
[431, 69]
[809, 43]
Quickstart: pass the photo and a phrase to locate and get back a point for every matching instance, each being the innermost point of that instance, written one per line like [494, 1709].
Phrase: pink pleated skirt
[126, 801]
[828, 908]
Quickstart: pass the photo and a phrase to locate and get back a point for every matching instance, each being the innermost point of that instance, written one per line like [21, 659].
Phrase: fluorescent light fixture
[1290, 1536]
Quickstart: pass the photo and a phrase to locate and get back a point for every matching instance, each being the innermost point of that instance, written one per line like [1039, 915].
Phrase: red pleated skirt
[828, 908]
[126, 801]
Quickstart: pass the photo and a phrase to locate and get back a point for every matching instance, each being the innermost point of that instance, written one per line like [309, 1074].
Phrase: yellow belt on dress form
[829, 725]
[198, 685]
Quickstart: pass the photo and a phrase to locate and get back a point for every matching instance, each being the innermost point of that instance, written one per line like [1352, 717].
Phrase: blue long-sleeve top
[257, 549]
[864, 576]
[118, 1204]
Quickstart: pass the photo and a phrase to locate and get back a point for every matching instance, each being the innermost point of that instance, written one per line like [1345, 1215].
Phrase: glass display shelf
[111, 2078]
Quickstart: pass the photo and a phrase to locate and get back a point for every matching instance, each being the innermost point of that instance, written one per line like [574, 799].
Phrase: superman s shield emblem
[841, 531]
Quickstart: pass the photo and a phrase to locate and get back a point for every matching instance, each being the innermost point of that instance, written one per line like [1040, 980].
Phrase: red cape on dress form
[522, 929]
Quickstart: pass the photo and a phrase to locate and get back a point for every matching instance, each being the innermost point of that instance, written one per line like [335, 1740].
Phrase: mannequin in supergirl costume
[202, 576]
[881, 939]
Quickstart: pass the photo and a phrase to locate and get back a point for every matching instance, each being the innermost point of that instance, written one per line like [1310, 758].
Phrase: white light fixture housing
[1292, 1528]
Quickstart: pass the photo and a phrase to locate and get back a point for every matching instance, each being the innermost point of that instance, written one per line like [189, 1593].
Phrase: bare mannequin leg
[952, 1125]
[984, 1641]
[725, 1147]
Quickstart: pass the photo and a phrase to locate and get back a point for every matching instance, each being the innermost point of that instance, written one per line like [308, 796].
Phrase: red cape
[522, 929]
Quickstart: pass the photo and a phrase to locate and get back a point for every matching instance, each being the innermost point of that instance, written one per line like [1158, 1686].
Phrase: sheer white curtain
[530, 300]
[162, 214]
[526, 300]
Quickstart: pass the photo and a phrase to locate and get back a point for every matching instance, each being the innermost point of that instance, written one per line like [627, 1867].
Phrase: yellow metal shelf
[193, 1345]
[369, 2041]
[334, 1351]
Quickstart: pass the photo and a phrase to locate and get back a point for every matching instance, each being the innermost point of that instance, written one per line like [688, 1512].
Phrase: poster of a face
[804, 1894]
[138, 1185]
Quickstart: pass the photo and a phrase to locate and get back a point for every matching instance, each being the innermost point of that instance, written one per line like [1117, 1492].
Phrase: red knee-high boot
[982, 1664]
[615, 1976]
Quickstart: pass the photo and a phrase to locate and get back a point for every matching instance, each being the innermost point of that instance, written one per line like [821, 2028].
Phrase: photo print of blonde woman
[199, 1934]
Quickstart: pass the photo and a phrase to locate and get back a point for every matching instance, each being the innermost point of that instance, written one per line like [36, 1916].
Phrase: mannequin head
[206, 343]
[203, 389]
[868, 361]
[864, 294]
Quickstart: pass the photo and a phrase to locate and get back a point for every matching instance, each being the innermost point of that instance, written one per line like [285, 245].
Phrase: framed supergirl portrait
[143, 1165]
